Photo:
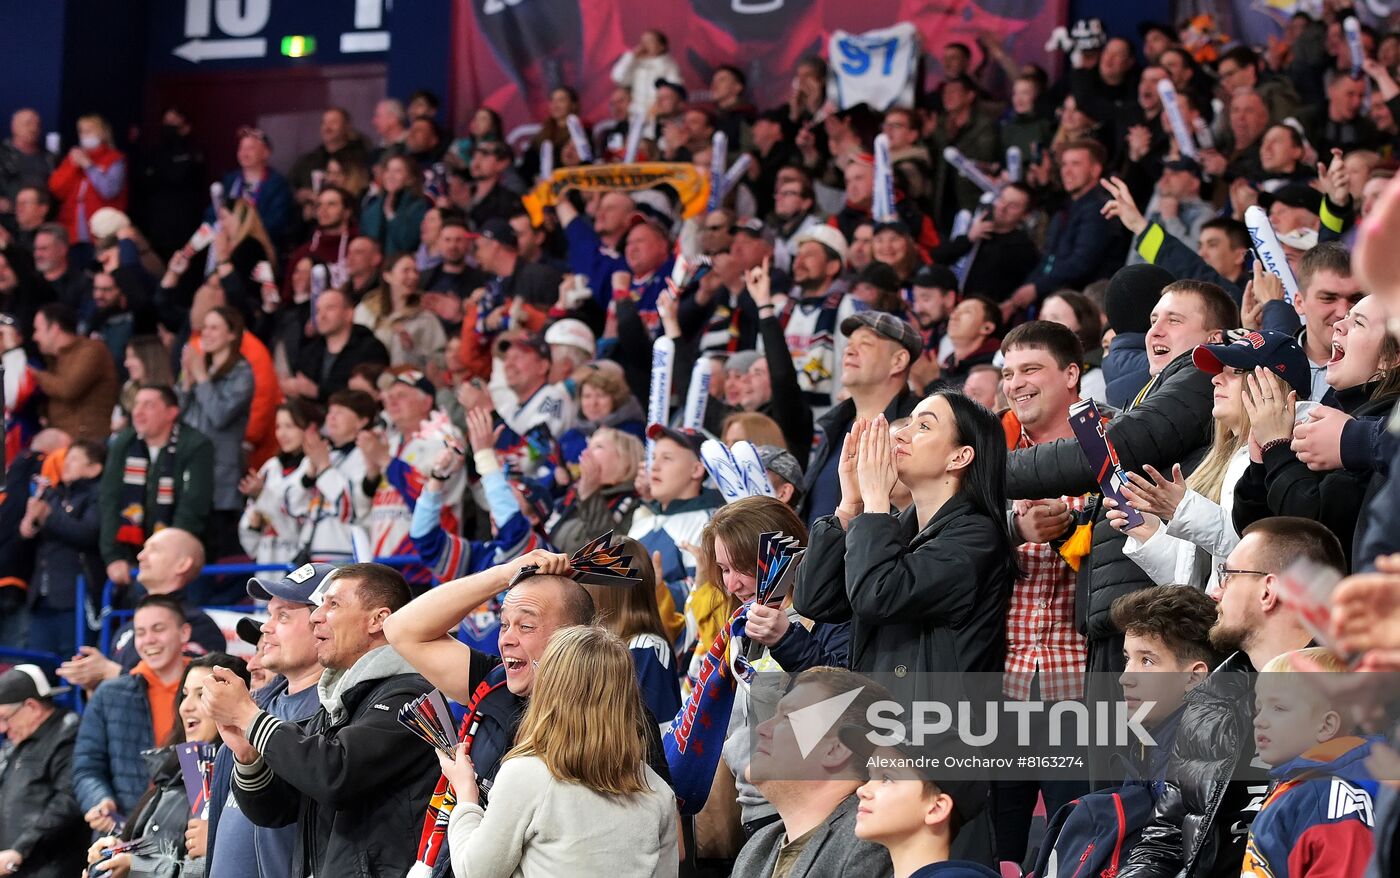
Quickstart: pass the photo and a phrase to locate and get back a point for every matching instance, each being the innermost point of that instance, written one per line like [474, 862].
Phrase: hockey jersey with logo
[1319, 817]
[391, 508]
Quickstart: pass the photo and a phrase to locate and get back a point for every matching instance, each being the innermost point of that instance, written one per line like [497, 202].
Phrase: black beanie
[1133, 292]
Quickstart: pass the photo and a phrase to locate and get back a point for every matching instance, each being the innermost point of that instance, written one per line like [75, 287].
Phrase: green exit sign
[298, 46]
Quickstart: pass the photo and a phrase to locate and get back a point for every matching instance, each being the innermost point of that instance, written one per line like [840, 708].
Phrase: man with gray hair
[51, 262]
[390, 123]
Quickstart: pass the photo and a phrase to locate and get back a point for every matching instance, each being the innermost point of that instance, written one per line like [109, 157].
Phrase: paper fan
[779, 556]
[600, 562]
[429, 717]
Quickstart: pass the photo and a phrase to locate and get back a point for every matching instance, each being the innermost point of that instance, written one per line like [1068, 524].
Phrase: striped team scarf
[696, 737]
[444, 798]
[132, 527]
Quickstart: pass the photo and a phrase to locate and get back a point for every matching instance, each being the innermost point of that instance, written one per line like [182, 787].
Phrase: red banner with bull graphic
[508, 54]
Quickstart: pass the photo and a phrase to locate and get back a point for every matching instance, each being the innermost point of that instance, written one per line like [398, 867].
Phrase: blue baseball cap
[297, 587]
[1275, 351]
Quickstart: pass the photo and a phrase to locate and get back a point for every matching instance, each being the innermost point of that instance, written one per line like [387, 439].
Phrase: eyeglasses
[790, 193]
[5, 719]
[1223, 573]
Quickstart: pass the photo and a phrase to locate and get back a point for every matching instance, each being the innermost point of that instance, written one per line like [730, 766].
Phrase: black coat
[67, 546]
[39, 817]
[919, 600]
[356, 787]
[1172, 424]
[1190, 833]
[832, 428]
[1081, 246]
[787, 406]
[362, 347]
[1000, 266]
[1283, 485]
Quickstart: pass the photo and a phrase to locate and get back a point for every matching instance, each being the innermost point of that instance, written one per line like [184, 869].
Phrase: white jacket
[390, 514]
[641, 74]
[335, 511]
[1168, 557]
[278, 540]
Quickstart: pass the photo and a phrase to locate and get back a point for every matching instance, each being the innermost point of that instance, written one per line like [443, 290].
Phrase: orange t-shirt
[162, 697]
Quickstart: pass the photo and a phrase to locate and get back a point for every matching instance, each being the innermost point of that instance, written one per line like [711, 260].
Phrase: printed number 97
[858, 56]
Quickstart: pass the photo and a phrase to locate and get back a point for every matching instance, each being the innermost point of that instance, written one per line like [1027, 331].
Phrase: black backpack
[1090, 837]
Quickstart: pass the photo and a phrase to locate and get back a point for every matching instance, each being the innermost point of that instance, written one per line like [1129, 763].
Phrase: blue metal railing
[112, 617]
[49, 663]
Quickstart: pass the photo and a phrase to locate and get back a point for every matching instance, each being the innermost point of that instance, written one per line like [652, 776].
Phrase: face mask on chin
[89, 142]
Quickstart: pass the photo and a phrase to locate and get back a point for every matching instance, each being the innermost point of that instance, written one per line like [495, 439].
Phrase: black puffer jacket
[1283, 485]
[352, 778]
[1171, 424]
[1200, 823]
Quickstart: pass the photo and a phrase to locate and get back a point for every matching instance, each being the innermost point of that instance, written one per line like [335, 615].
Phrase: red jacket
[71, 187]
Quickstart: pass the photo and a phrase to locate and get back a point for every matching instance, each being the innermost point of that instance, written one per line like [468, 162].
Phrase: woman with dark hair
[563, 103]
[1078, 313]
[895, 246]
[485, 127]
[216, 394]
[271, 525]
[147, 362]
[394, 216]
[394, 312]
[925, 589]
[1188, 77]
[174, 842]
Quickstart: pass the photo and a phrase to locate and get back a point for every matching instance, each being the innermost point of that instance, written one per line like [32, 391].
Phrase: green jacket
[194, 488]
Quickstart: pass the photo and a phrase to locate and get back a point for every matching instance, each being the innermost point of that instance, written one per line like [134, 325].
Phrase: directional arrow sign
[196, 51]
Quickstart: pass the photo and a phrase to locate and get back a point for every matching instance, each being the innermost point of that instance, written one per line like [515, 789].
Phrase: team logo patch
[1345, 799]
[302, 574]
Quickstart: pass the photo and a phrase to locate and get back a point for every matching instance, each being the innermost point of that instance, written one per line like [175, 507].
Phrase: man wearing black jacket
[1081, 244]
[875, 369]
[353, 778]
[42, 833]
[325, 362]
[1001, 252]
[1202, 813]
[1167, 422]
